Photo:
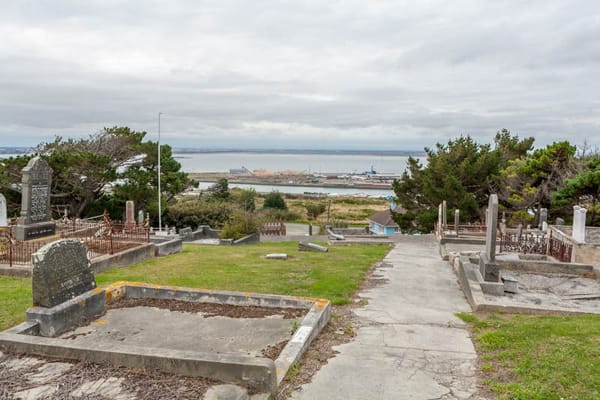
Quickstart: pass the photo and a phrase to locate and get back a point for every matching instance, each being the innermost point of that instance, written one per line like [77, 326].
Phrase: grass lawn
[334, 275]
[538, 357]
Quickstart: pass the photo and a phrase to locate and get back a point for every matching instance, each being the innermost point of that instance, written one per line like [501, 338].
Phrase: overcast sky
[301, 74]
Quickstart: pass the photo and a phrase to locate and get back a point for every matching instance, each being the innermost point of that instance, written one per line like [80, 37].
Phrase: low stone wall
[165, 246]
[203, 232]
[124, 258]
[352, 231]
[547, 267]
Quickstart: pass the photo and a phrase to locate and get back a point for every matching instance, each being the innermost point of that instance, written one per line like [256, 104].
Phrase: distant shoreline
[404, 153]
[8, 150]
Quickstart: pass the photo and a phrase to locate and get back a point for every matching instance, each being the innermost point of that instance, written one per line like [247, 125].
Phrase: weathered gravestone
[35, 220]
[61, 272]
[487, 260]
[3, 217]
[129, 213]
[307, 246]
[543, 218]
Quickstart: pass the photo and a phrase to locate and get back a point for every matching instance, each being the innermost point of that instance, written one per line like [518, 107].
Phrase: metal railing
[102, 236]
[524, 243]
[560, 250]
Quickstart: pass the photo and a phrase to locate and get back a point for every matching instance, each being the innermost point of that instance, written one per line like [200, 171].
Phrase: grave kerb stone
[61, 271]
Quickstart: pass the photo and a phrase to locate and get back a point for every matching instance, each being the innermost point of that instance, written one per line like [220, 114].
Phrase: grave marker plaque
[61, 271]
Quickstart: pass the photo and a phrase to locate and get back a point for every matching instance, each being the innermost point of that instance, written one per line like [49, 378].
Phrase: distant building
[240, 171]
[381, 223]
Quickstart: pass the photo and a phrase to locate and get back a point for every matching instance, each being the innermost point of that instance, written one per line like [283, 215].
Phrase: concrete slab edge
[256, 372]
[476, 299]
[55, 320]
[144, 290]
[312, 324]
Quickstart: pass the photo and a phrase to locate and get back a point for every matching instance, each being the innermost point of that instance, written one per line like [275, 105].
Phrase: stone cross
[61, 271]
[3, 213]
[35, 219]
[487, 261]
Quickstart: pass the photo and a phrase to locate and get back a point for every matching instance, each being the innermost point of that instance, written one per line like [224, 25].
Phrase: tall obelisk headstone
[487, 260]
[35, 220]
[3, 212]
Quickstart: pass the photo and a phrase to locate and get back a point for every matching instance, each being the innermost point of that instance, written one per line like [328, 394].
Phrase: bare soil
[211, 309]
[145, 383]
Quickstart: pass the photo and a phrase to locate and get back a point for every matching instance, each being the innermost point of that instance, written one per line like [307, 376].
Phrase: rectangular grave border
[262, 373]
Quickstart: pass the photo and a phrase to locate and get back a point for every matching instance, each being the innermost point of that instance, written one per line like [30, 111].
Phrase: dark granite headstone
[61, 271]
[35, 220]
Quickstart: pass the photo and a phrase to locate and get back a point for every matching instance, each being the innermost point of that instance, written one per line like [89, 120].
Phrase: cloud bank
[304, 74]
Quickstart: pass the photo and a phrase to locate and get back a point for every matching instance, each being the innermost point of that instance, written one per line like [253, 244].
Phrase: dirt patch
[143, 383]
[340, 329]
[273, 351]
[211, 309]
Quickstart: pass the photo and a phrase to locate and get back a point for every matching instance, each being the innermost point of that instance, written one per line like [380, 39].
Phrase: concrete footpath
[410, 345]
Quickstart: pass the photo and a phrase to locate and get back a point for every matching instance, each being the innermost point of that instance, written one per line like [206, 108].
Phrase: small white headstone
[3, 218]
[276, 256]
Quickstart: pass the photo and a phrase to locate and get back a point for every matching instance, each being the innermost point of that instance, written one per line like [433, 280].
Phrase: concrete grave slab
[175, 342]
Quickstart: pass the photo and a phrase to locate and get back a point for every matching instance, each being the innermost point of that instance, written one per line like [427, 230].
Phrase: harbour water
[278, 162]
[314, 190]
[316, 163]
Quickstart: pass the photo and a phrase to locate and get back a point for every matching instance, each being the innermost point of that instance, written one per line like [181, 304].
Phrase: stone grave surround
[35, 220]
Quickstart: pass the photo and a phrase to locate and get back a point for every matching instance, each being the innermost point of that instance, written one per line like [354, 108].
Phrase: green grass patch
[539, 357]
[15, 298]
[334, 275]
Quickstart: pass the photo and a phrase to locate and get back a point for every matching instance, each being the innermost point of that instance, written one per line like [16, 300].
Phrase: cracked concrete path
[410, 345]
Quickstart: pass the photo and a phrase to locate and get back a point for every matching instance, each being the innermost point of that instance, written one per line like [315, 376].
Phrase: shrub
[313, 210]
[275, 200]
[245, 199]
[239, 225]
[194, 212]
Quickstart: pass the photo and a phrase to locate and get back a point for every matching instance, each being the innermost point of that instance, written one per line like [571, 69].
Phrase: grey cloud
[349, 74]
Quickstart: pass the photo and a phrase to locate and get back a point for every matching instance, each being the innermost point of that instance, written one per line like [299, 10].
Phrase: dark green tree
[582, 188]
[461, 172]
[528, 183]
[220, 190]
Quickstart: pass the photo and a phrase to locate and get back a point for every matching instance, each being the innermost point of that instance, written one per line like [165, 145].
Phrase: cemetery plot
[233, 337]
